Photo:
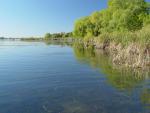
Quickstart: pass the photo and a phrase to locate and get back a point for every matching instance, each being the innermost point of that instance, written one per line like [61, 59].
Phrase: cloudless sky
[36, 17]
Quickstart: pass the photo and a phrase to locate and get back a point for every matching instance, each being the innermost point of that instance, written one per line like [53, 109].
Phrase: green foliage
[57, 35]
[125, 38]
[121, 16]
[83, 27]
[47, 36]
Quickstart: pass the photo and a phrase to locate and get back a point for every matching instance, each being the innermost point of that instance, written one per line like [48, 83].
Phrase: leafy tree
[58, 35]
[81, 27]
[47, 36]
[121, 15]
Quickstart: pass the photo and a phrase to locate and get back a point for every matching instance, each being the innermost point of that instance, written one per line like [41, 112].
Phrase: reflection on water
[145, 97]
[55, 78]
[122, 79]
[58, 42]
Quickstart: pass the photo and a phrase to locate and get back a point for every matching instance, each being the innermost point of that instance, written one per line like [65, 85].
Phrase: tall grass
[141, 37]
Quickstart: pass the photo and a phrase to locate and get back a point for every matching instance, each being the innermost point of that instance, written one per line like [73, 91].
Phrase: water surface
[39, 78]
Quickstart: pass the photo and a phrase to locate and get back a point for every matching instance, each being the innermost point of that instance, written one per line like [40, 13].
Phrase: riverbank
[133, 55]
[122, 29]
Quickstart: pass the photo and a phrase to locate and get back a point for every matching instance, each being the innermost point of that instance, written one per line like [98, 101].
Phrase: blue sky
[36, 17]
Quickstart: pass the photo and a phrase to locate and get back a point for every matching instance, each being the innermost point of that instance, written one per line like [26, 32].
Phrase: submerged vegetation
[123, 21]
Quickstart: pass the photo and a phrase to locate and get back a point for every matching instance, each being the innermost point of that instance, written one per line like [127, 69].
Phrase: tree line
[119, 16]
[58, 35]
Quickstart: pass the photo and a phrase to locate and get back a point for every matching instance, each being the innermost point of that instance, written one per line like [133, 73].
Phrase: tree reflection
[57, 42]
[145, 97]
[119, 78]
[122, 79]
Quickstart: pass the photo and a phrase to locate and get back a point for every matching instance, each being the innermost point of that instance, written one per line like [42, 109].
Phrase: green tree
[121, 15]
[47, 36]
[83, 26]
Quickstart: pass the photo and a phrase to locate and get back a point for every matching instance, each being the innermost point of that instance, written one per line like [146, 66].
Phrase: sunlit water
[40, 78]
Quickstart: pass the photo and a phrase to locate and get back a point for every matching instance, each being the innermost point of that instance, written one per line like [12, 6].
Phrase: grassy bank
[123, 22]
[122, 29]
[133, 56]
[103, 61]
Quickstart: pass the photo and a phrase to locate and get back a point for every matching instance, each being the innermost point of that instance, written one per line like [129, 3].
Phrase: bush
[124, 21]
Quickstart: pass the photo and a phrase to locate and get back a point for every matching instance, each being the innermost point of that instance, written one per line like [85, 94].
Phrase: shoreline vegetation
[122, 29]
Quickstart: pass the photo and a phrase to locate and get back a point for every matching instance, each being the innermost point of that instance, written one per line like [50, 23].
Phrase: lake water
[51, 78]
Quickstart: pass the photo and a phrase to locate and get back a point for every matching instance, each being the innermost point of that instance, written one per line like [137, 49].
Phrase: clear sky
[36, 17]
